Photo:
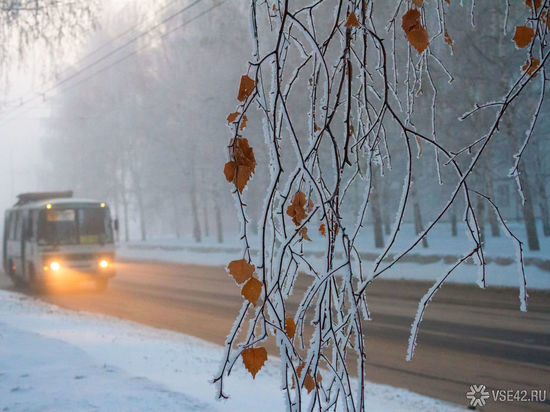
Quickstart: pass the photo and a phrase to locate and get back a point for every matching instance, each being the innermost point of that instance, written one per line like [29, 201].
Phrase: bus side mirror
[115, 224]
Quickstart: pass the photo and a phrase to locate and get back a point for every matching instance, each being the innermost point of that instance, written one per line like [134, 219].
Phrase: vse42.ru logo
[478, 395]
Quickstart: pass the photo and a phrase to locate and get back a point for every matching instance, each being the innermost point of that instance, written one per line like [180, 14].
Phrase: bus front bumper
[57, 270]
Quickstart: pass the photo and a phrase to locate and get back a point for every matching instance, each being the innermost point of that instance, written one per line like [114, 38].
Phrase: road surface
[468, 336]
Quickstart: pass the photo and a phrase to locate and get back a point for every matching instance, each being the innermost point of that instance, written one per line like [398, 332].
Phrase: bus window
[57, 227]
[19, 226]
[94, 226]
[28, 226]
[74, 226]
[13, 222]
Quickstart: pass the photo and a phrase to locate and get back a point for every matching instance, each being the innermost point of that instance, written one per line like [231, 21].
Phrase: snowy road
[469, 336]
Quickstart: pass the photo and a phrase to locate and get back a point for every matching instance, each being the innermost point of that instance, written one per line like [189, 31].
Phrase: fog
[136, 117]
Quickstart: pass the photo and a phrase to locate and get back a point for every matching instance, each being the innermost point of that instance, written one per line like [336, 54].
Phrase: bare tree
[46, 27]
[364, 74]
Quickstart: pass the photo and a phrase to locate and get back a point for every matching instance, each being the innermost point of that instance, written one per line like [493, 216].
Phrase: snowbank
[422, 264]
[54, 359]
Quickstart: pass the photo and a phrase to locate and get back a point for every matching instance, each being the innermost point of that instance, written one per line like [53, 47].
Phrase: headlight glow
[103, 264]
[55, 266]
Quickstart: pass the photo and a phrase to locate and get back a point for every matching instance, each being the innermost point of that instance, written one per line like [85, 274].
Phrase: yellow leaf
[252, 290]
[352, 21]
[246, 87]
[241, 270]
[523, 36]
[254, 359]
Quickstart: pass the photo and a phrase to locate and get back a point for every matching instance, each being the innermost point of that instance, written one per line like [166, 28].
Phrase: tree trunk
[491, 215]
[528, 213]
[418, 227]
[385, 212]
[219, 222]
[141, 210]
[204, 200]
[176, 215]
[454, 231]
[480, 215]
[197, 235]
[376, 214]
[542, 194]
[125, 211]
[545, 215]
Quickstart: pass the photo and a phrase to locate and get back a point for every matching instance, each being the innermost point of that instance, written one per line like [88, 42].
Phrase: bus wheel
[101, 285]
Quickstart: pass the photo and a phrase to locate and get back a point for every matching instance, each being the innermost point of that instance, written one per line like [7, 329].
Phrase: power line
[93, 52]
[114, 51]
[116, 62]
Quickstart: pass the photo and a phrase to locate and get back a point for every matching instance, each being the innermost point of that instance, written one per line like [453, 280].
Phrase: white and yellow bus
[53, 238]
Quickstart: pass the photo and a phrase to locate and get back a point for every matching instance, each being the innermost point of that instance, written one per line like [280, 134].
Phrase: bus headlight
[103, 264]
[55, 266]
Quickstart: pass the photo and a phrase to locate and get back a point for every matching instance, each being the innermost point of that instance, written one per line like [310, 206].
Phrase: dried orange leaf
[303, 233]
[229, 171]
[531, 66]
[241, 169]
[448, 39]
[241, 270]
[252, 290]
[254, 359]
[232, 117]
[523, 36]
[352, 21]
[309, 383]
[419, 146]
[536, 2]
[416, 33]
[244, 155]
[246, 87]
[418, 3]
[322, 229]
[243, 122]
[290, 327]
[296, 210]
[243, 175]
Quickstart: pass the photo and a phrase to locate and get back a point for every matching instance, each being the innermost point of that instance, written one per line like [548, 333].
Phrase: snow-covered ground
[53, 359]
[427, 263]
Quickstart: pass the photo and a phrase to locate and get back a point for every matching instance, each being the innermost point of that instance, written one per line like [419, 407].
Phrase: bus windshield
[75, 226]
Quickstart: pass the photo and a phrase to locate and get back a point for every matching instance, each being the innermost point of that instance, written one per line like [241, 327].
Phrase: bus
[51, 237]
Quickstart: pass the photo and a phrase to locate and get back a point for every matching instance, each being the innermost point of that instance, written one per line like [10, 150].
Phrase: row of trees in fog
[147, 134]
